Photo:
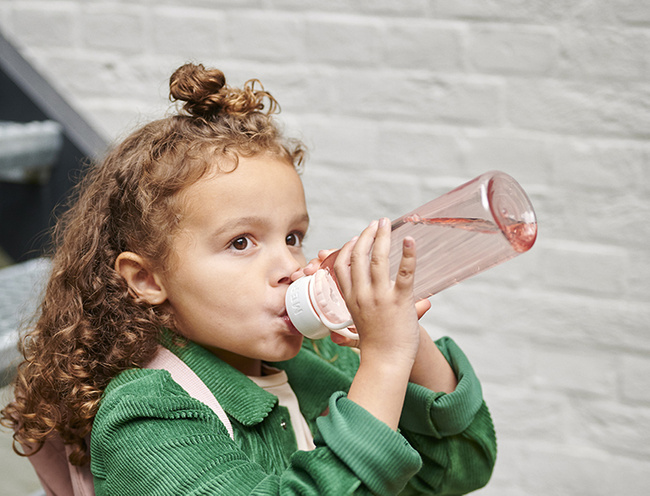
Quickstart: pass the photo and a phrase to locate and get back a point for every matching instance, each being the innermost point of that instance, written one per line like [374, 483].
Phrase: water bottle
[478, 225]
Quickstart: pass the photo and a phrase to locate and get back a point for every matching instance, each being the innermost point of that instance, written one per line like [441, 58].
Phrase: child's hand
[421, 307]
[384, 312]
[312, 266]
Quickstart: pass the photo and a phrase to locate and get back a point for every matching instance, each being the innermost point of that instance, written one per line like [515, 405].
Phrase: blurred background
[399, 102]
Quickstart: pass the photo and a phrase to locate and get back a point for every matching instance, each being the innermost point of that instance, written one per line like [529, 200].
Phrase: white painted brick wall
[401, 101]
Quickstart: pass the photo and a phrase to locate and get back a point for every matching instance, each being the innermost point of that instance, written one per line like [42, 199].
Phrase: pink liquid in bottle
[478, 225]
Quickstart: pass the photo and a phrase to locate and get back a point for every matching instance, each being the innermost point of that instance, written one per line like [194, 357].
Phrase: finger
[380, 252]
[312, 266]
[406, 271]
[323, 254]
[304, 271]
[359, 257]
[344, 341]
[342, 265]
[422, 307]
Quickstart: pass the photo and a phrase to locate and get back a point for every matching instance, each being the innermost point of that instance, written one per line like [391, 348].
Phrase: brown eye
[240, 243]
[294, 239]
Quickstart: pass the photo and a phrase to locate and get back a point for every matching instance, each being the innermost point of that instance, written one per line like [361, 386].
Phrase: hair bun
[207, 95]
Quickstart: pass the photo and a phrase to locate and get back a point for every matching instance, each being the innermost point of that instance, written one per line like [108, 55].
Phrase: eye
[240, 243]
[295, 239]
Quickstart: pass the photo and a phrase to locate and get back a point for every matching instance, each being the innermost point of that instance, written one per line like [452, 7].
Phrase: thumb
[422, 307]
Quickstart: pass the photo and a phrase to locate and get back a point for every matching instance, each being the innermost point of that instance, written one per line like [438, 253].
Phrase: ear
[142, 281]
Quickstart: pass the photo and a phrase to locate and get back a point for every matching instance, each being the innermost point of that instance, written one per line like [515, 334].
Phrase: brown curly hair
[90, 327]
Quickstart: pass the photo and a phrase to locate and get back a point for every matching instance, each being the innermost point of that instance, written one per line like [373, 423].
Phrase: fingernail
[409, 242]
[383, 221]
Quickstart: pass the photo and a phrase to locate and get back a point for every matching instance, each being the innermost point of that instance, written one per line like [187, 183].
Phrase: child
[188, 235]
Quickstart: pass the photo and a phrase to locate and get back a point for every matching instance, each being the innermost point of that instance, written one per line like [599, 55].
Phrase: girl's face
[240, 240]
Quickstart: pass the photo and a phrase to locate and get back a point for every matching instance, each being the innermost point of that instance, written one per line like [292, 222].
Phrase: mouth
[289, 324]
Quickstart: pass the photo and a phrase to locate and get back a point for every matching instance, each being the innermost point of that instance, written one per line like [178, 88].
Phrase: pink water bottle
[478, 225]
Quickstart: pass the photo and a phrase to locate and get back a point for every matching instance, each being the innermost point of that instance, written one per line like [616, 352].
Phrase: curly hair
[90, 327]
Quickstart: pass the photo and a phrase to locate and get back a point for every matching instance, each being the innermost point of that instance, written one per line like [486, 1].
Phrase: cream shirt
[276, 382]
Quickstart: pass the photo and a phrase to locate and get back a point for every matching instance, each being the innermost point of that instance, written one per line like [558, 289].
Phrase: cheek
[217, 293]
[188, 291]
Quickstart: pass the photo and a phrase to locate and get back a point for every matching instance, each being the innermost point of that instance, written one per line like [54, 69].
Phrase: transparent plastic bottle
[478, 225]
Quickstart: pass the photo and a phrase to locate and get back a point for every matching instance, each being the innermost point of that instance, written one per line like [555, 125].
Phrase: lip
[289, 324]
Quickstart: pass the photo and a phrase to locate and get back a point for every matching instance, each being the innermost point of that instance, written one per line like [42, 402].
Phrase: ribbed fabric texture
[189, 381]
[446, 414]
[386, 464]
[151, 438]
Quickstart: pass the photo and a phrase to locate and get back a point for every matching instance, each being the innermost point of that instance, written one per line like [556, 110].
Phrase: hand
[312, 266]
[385, 317]
[421, 307]
[384, 312]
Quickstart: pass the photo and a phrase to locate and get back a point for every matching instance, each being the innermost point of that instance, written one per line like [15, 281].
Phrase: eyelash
[300, 236]
[238, 238]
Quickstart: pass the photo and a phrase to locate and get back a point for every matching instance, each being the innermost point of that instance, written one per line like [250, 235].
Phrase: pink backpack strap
[80, 477]
[60, 478]
[190, 382]
[53, 469]
[56, 474]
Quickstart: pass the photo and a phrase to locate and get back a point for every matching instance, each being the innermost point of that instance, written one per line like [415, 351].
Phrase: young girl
[188, 235]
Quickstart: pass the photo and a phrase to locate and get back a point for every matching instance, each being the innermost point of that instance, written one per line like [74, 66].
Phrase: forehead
[259, 185]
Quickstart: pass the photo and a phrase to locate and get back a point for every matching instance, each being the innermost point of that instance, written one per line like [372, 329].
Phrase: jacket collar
[240, 397]
[314, 379]
[311, 376]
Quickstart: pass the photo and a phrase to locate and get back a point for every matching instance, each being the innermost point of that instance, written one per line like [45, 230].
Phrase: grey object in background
[21, 290]
[28, 151]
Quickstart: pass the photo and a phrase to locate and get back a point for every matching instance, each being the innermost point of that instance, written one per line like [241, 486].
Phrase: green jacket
[151, 438]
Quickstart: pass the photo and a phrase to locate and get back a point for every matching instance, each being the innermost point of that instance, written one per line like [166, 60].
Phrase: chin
[288, 351]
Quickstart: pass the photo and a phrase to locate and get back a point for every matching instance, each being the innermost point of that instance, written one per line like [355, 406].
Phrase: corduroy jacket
[151, 438]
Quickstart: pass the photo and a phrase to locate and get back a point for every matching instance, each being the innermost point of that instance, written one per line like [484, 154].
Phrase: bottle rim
[511, 210]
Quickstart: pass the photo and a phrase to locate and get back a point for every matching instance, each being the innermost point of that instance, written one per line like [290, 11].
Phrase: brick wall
[400, 101]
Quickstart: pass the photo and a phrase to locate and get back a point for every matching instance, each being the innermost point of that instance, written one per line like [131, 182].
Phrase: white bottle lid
[306, 313]
[301, 312]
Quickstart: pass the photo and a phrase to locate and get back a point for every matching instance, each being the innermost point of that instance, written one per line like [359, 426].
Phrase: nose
[285, 263]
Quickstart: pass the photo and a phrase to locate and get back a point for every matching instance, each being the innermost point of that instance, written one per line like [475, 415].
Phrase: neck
[247, 366]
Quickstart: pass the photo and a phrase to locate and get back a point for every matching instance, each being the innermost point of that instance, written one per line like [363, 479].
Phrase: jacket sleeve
[452, 432]
[152, 438]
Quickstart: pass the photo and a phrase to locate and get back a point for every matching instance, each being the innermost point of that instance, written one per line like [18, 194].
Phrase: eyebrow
[254, 220]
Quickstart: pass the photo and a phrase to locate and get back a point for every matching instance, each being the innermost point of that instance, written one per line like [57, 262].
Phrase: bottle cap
[316, 307]
[301, 312]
